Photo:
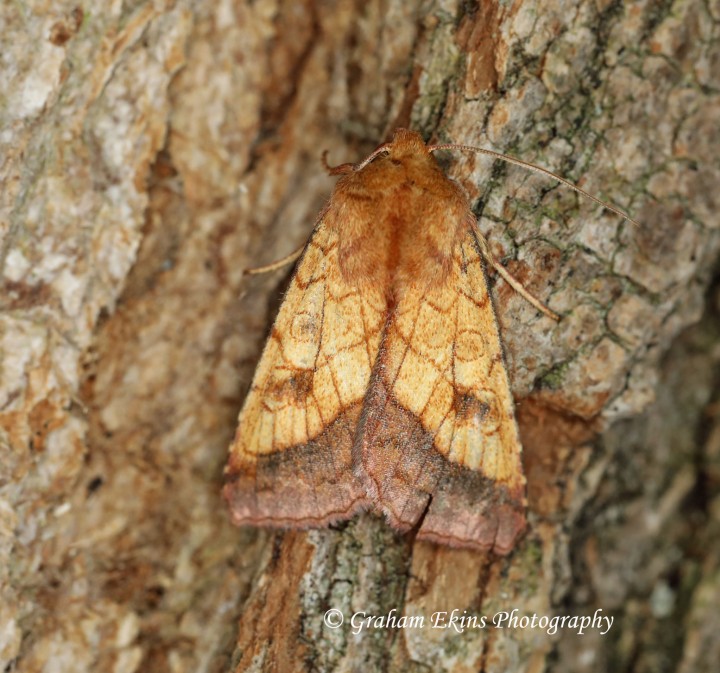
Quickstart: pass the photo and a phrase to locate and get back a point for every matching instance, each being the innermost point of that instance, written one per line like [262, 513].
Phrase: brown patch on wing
[304, 486]
[415, 484]
[438, 444]
[290, 461]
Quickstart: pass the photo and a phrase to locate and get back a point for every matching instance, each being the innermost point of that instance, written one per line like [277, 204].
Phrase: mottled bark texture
[151, 150]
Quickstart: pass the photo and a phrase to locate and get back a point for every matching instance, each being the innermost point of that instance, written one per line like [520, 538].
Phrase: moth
[382, 385]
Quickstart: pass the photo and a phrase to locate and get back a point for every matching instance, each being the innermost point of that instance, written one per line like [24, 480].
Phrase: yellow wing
[290, 463]
[448, 454]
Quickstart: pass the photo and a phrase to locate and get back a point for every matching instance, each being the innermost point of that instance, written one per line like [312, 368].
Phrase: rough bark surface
[150, 151]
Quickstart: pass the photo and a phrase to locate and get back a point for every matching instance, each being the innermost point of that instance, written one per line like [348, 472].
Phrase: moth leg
[513, 282]
[288, 259]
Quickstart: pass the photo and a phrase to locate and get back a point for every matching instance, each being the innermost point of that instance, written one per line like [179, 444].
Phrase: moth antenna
[536, 169]
[278, 264]
[340, 169]
[380, 150]
[349, 168]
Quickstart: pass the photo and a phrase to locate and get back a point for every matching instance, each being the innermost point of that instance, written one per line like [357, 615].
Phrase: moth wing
[290, 462]
[447, 454]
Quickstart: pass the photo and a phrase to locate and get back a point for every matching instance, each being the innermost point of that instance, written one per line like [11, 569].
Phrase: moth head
[405, 145]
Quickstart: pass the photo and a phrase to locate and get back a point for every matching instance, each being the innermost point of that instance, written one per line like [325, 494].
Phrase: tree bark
[153, 150]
